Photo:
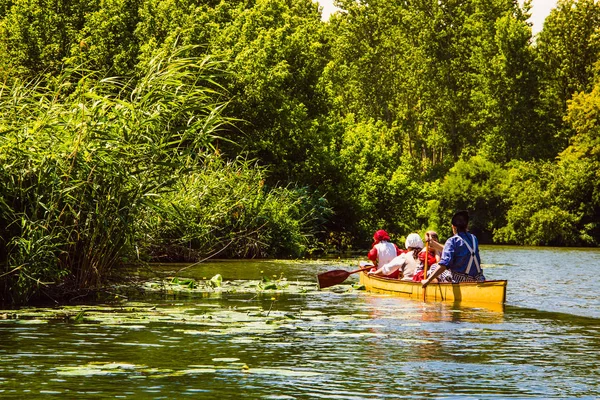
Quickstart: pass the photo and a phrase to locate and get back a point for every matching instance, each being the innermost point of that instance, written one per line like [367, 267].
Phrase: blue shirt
[456, 255]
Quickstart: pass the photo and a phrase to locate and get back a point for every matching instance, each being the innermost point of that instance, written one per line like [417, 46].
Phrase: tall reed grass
[81, 157]
[97, 171]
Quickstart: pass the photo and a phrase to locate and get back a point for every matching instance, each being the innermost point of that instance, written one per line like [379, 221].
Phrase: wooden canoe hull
[490, 292]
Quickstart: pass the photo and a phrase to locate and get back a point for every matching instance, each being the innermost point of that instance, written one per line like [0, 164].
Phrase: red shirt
[430, 258]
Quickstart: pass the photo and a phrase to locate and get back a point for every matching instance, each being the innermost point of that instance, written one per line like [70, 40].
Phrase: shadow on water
[524, 313]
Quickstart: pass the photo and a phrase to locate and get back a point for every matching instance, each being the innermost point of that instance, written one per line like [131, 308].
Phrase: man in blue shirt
[460, 261]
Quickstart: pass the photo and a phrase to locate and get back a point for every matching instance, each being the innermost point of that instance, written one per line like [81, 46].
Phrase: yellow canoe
[488, 292]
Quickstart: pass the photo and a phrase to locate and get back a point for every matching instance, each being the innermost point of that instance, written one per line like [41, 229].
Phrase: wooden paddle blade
[331, 278]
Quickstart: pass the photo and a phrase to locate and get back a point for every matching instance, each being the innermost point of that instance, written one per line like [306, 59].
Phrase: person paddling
[460, 261]
[433, 255]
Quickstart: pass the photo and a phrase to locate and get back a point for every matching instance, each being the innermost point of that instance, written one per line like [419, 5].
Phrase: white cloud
[539, 11]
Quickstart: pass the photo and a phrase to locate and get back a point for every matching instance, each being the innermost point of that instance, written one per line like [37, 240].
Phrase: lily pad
[282, 372]
[31, 321]
[420, 341]
[196, 371]
[96, 369]
[354, 334]
[243, 340]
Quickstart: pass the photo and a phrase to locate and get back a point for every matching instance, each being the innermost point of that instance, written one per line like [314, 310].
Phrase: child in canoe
[433, 255]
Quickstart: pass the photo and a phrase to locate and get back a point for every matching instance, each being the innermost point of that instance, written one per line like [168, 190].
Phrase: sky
[539, 11]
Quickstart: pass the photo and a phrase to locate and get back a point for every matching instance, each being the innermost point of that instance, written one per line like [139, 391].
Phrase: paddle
[331, 278]
[425, 266]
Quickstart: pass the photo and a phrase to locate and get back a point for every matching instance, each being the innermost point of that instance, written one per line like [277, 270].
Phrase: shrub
[226, 210]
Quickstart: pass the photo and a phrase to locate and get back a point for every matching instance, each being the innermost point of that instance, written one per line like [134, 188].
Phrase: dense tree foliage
[453, 78]
[567, 48]
[277, 134]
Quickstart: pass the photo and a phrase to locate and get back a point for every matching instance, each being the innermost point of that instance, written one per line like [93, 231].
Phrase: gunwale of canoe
[490, 292]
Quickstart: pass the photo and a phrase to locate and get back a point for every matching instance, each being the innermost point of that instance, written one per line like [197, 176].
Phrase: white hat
[414, 240]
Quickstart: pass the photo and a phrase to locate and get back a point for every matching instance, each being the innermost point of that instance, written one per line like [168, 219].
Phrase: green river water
[283, 339]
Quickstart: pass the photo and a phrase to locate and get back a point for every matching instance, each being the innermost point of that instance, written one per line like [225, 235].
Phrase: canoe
[488, 292]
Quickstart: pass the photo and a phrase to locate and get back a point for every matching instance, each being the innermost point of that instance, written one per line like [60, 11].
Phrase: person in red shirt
[433, 256]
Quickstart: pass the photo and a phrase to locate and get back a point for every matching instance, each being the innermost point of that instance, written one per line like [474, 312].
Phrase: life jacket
[430, 258]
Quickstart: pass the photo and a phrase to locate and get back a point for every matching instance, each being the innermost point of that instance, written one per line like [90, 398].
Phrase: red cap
[381, 235]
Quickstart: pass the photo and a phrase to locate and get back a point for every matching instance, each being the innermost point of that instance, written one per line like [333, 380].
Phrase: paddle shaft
[425, 268]
[360, 269]
[330, 278]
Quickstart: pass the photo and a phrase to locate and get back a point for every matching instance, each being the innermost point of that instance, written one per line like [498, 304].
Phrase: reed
[97, 171]
[82, 157]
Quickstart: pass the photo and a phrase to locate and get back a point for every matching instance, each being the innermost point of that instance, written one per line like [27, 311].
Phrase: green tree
[107, 41]
[277, 52]
[36, 36]
[567, 48]
[450, 77]
[559, 203]
[448, 80]
[507, 91]
[377, 187]
[541, 208]
[581, 160]
[378, 71]
[479, 186]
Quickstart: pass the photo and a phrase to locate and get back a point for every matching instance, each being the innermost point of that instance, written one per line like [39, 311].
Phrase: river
[299, 343]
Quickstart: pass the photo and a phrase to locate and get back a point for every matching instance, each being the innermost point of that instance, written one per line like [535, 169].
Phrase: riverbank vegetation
[153, 130]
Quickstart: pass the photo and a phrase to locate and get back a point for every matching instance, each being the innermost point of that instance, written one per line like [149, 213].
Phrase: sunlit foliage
[254, 129]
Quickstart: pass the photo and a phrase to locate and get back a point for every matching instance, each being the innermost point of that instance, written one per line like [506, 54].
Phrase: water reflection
[415, 310]
[339, 343]
[358, 346]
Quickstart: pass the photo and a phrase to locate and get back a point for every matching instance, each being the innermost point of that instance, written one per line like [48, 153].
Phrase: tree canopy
[392, 115]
